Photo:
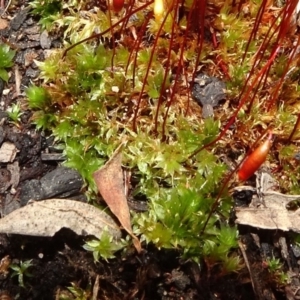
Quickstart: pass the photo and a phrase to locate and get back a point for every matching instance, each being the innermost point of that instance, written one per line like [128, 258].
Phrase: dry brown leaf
[45, 218]
[3, 24]
[109, 181]
[273, 214]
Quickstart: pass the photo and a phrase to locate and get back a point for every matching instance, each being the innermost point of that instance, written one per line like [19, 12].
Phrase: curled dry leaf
[109, 181]
[45, 218]
[276, 213]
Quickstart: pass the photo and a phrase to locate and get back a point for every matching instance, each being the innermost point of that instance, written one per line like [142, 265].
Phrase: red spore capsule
[255, 159]
[117, 5]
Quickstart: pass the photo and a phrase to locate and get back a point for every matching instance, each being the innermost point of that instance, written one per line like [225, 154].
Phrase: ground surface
[61, 261]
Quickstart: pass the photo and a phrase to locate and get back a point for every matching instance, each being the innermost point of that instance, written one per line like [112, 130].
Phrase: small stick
[7, 6]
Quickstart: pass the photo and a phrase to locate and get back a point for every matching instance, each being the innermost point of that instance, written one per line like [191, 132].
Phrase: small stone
[62, 182]
[208, 92]
[19, 19]
[31, 189]
[32, 73]
[45, 41]
[32, 30]
[296, 250]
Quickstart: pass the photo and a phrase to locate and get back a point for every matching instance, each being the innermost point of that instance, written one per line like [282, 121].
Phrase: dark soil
[59, 262]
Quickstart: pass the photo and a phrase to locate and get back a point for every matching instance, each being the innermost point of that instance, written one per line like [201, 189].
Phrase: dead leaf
[45, 218]
[109, 181]
[8, 152]
[274, 214]
[3, 24]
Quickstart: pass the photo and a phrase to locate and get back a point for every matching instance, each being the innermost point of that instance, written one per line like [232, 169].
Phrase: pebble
[60, 183]
[208, 92]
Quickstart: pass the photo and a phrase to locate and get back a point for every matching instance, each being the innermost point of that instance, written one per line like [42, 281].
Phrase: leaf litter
[270, 209]
[274, 214]
[110, 184]
[46, 217]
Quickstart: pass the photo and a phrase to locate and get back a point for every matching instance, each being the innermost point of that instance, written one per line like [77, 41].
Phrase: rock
[32, 73]
[9, 204]
[45, 40]
[28, 144]
[31, 189]
[62, 182]
[208, 92]
[19, 19]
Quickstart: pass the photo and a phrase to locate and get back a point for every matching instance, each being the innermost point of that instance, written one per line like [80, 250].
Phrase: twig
[242, 248]
[6, 8]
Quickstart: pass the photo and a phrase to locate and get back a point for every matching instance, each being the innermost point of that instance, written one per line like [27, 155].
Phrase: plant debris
[131, 84]
[109, 180]
[45, 218]
[8, 152]
[273, 213]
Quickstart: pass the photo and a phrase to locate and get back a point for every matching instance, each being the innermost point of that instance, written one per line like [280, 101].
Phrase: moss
[136, 91]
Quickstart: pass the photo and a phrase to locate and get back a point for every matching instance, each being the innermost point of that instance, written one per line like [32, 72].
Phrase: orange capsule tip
[255, 159]
[117, 5]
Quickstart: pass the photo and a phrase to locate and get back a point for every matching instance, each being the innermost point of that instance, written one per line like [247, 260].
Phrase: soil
[32, 171]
